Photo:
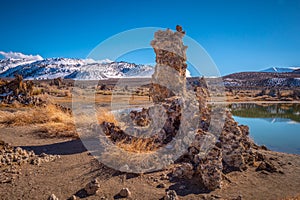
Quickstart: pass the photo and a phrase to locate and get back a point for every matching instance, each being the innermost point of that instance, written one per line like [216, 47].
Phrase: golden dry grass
[22, 117]
[34, 115]
[103, 115]
[50, 120]
[2, 82]
[138, 145]
[55, 129]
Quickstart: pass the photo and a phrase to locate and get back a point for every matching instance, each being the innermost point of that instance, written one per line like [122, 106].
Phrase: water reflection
[275, 125]
[277, 111]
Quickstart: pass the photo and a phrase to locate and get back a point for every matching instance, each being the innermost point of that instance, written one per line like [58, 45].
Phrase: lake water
[275, 125]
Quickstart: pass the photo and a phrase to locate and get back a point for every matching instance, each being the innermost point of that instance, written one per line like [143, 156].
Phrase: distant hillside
[262, 79]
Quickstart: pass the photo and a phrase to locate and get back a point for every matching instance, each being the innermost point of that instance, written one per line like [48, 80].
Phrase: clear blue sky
[239, 35]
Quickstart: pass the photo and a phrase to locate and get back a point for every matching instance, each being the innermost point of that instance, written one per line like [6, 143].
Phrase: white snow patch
[17, 55]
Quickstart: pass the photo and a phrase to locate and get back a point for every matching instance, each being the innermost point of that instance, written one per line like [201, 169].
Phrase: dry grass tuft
[54, 129]
[34, 115]
[50, 120]
[104, 115]
[138, 145]
[22, 117]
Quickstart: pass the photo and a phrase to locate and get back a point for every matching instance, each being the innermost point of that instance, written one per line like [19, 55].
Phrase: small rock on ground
[92, 187]
[125, 192]
[52, 197]
[171, 195]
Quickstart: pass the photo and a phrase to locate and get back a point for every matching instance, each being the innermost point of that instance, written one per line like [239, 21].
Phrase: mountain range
[36, 67]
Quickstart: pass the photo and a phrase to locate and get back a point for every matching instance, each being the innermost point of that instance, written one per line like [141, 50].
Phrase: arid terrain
[50, 131]
[69, 174]
[150, 100]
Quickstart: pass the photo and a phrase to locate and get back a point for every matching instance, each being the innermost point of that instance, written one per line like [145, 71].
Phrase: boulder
[266, 166]
[209, 169]
[185, 170]
[10, 155]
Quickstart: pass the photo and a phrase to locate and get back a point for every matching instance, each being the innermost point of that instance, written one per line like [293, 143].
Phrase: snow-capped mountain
[281, 69]
[34, 67]
[97, 71]
[6, 64]
[43, 69]
[13, 59]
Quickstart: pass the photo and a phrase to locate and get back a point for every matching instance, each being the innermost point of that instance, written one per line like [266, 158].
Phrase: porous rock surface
[170, 70]
[10, 155]
[92, 187]
[19, 91]
[210, 155]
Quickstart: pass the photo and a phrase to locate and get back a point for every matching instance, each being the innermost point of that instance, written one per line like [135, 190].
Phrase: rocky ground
[69, 174]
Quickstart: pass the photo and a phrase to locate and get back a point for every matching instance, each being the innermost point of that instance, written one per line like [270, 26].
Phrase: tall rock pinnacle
[169, 77]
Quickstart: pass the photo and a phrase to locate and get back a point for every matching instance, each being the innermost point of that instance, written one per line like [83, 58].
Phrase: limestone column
[169, 78]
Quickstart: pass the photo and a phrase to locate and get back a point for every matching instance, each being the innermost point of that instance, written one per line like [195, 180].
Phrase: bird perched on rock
[179, 29]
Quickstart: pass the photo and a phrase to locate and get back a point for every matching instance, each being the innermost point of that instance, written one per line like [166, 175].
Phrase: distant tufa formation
[204, 164]
[18, 91]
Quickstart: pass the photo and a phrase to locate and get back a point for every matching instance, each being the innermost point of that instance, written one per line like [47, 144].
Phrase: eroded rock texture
[169, 77]
[162, 129]
[233, 150]
[10, 156]
[212, 153]
[19, 91]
